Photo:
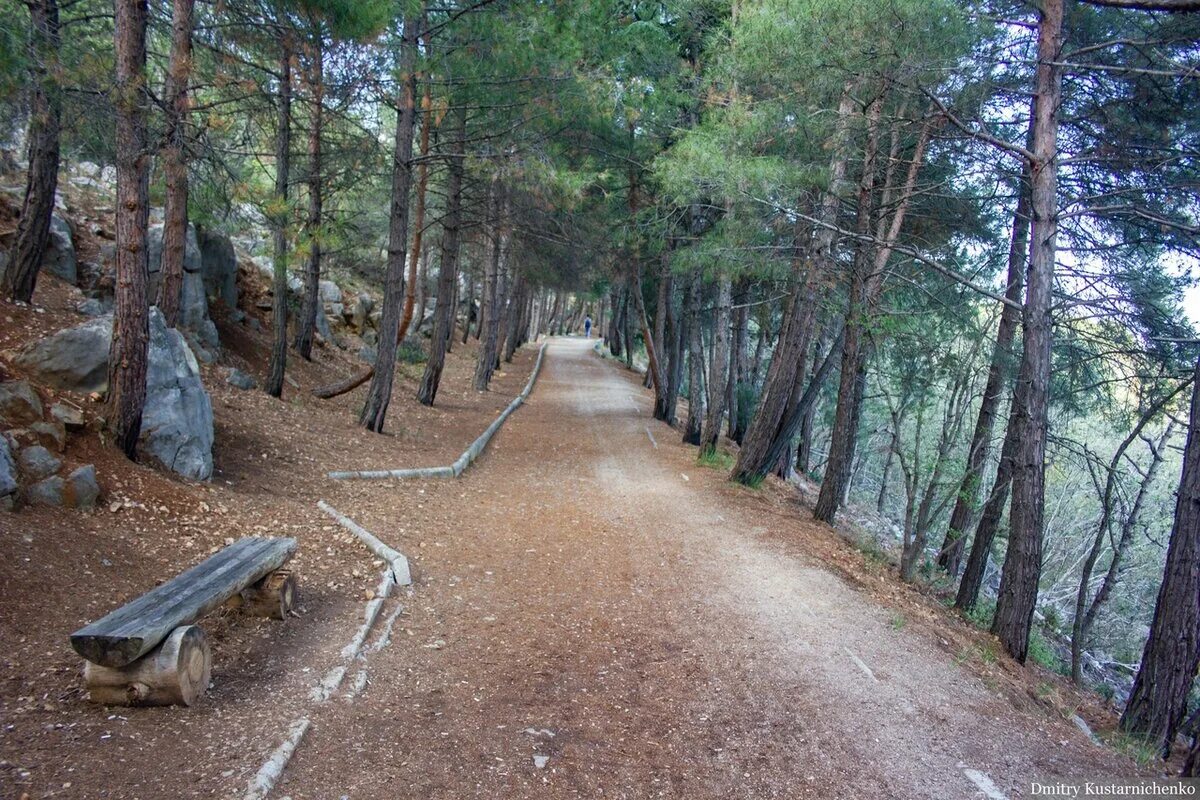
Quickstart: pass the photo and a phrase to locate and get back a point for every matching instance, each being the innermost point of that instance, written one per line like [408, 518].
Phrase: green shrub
[411, 351]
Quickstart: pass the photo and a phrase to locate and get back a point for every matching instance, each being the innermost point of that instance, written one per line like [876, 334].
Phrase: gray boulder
[59, 259]
[75, 359]
[193, 301]
[82, 489]
[361, 314]
[240, 380]
[47, 492]
[218, 265]
[8, 476]
[92, 307]
[19, 403]
[69, 416]
[177, 425]
[37, 462]
[329, 292]
[51, 435]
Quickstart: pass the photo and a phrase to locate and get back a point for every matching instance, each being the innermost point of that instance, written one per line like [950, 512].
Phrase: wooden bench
[148, 652]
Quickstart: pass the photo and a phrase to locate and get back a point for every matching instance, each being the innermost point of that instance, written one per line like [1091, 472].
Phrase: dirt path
[587, 593]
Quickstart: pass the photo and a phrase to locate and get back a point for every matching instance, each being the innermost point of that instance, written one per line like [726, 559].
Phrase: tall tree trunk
[718, 372]
[379, 394]
[950, 557]
[41, 180]
[695, 355]
[279, 224]
[443, 323]
[418, 227]
[1085, 612]
[310, 304]
[174, 160]
[1023, 560]
[673, 344]
[989, 520]
[799, 317]
[737, 371]
[485, 365]
[654, 366]
[516, 316]
[845, 430]
[127, 355]
[469, 314]
[1158, 701]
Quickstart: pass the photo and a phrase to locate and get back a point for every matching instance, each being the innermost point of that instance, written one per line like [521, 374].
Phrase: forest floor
[593, 614]
[596, 615]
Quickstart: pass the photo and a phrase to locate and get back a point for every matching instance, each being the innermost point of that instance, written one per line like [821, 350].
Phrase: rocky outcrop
[218, 266]
[19, 403]
[74, 359]
[59, 259]
[8, 476]
[193, 300]
[241, 380]
[177, 425]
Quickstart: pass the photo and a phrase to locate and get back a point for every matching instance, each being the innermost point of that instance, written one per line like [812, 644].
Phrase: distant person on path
[587, 327]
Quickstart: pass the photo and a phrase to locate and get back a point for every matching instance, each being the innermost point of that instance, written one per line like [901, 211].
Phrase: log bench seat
[148, 652]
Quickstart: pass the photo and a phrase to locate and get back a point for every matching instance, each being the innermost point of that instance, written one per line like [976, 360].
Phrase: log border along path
[395, 573]
[468, 456]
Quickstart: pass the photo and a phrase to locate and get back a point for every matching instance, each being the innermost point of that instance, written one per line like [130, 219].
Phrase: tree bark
[1023, 560]
[950, 557]
[310, 304]
[485, 365]
[737, 371]
[127, 355]
[418, 230]
[379, 395]
[845, 430]
[718, 372]
[799, 316]
[41, 179]
[1158, 701]
[443, 323]
[174, 161]
[279, 224]
[989, 520]
[695, 417]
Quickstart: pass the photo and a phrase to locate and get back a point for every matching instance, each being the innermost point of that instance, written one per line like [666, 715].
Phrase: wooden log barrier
[177, 672]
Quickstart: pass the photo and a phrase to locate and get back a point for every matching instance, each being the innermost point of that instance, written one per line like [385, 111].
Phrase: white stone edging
[469, 455]
[394, 558]
[396, 573]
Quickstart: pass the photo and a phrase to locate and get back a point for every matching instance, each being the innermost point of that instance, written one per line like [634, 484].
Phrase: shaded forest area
[934, 256]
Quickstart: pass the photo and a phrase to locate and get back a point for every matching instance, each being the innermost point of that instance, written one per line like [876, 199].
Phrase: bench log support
[273, 597]
[177, 672]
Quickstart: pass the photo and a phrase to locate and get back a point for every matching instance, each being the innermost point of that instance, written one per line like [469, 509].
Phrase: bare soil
[62, 569]
[591, 596]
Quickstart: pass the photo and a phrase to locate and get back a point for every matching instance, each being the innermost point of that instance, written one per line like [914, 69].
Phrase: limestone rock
[177, 426]
[82, 490]
[241, 380]
[59, 259]
[19, 403]
[51, 435]
[218, 265]
[37, 462]
[70, 417]
[74, 359]
[47, 492]
[8, 476]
